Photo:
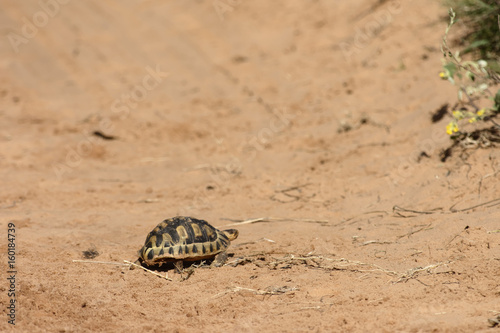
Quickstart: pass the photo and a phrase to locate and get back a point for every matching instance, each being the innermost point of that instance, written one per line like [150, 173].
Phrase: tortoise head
[232, 234]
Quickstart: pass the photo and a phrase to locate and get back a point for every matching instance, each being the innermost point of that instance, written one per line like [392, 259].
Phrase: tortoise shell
[186, 239]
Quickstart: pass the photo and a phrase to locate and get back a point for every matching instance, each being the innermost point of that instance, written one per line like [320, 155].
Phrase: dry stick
[147, 270]
[456, 236]
[274, 291]
[292, 188]
[127, 263]
[476, 206]
[260, 219]
[365, 213]
[215, 168]
[396, 209]
[271, 219]
[491, 203]
[495, 172]
[343, 264]
[481, 182]
[255, 241]
[100, 262]
[494, 321]
[494, 122]
[411, 272]
[471, 101]
[427, 227]
[376, 242]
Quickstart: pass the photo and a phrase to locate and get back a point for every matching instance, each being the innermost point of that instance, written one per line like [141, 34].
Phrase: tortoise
[181, 238]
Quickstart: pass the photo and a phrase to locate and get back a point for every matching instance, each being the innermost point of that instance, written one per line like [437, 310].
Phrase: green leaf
[474, 45]
[484, 5]
[497, 100]
[450, 69]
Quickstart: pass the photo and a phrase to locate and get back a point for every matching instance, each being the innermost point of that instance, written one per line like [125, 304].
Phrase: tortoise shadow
[170, 265]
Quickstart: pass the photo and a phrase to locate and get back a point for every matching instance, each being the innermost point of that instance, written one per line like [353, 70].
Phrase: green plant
[480, 20]
[474, 80]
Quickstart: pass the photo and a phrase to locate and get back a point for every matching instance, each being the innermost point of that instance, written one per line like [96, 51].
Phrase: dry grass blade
[100, 262]
[481, 181]
[126, 263]
[263, 239]
[291, 194]
[490, 203]
[411, 273]
[147, 270]
[272, 219]
[260, 219]
[495, 321]
[376, 242]
[273, 290]
[341, 264]
[362, 214]
[397, 210]
[412, 232]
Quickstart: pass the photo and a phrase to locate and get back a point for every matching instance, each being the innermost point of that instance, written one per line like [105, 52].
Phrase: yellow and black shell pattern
[184, 238]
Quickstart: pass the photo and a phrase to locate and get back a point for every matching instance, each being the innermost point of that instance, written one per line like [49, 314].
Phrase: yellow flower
[481, 112]
[443, 75]
[472, 120]
[451, 128]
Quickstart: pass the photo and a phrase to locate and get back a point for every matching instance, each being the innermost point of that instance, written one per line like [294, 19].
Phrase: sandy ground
[313, 115]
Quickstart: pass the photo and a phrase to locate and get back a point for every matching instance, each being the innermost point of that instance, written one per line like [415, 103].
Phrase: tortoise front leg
[137, 262]
[219, 260]
[179, 265]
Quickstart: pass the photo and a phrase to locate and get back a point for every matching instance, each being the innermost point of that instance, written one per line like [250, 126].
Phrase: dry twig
[272, 290]
[342, 264]
[397, 210]
[494, 174]
[410, 274]
[272, 219]
[337, 264]
[147, 270]
[376, 242]
[294, 193]
[254, 242]
[495, 321]
[100, 262]
[126, 263]
[427, 227]
[491, 203]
